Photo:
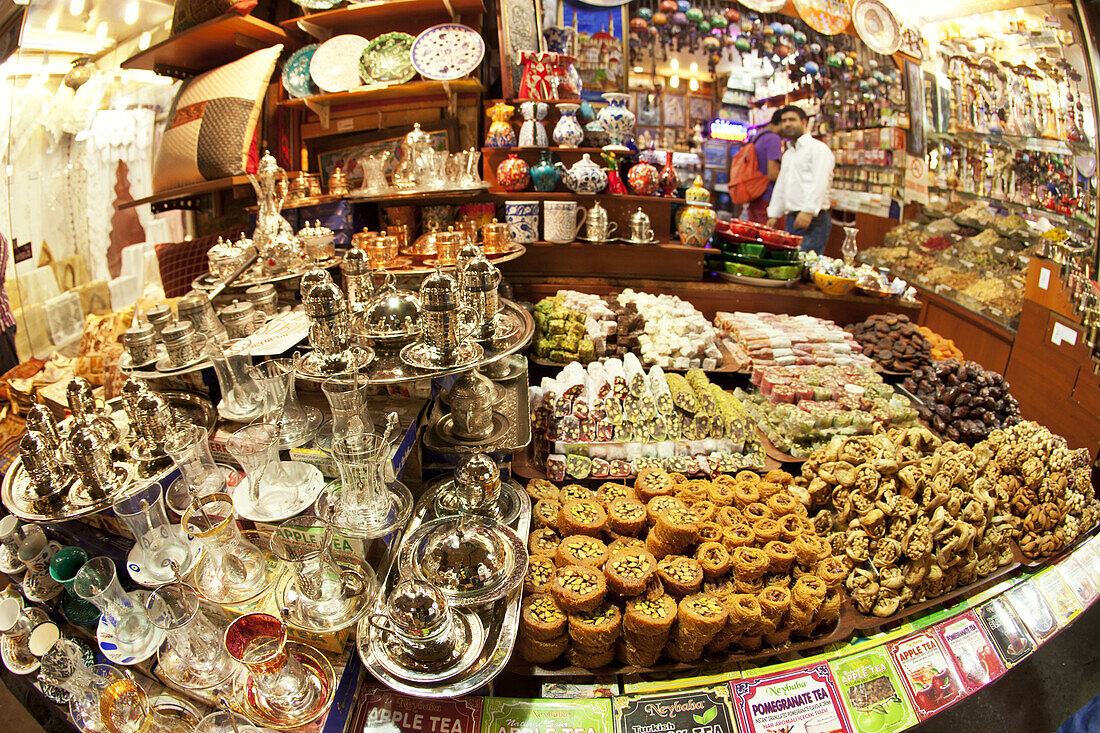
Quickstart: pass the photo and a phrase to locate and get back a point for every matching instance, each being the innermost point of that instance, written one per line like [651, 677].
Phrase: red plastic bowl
[746, 229]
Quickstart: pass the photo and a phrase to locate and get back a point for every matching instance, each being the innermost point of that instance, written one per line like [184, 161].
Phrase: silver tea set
[168, 343]
[421, 168]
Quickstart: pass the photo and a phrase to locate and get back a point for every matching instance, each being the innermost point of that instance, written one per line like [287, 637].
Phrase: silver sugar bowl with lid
[91, 459]
[392, 316]
[480, 282]
[240, 319]
[196, 308]
[182, 343]
[141, 343]
[41, 420]
[160, 315]
[49, 480]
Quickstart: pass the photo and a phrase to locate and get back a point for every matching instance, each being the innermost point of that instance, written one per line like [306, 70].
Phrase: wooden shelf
[322, 104]
[208, 45]
[569, 195]
[369, 19]
[195, 189]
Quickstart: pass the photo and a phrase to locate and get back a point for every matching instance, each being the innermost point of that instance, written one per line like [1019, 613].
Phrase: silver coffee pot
[471, 399]
[269, 222]
[480, 281]
[598, 227]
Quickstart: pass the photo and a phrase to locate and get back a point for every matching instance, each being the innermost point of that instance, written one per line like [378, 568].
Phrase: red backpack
[747, 183]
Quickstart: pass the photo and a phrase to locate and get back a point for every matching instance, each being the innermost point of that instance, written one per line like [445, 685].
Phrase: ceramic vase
[501, 134]
[642, 178]
[617, 120]
[668, 180]
[568, 133]
[698, 219]
[532, 133]
[557, 38]
[513, 174]
[546, 174]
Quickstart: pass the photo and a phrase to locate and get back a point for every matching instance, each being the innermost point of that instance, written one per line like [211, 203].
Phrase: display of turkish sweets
[616, 418]
[893, 341]
[802, 408]
[779, 339]
[693, 568]
[912, 516]
[961, 400]
[571, 326]
[675, 334]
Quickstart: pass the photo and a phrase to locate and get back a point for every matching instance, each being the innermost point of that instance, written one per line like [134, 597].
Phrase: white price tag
[1044, 278]
[344, 125]
[1063, 334]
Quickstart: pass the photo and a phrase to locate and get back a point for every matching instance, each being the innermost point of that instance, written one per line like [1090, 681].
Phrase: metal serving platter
[389, 368]
[513, 406]
[254, 276]
[18, 497]
[499, 620]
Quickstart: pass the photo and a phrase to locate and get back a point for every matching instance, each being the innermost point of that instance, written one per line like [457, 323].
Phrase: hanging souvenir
[825, 16]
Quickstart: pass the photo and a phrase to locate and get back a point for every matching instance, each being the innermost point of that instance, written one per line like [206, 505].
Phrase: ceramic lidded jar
[642, 179]
[617, 120]
[585, 177]
[698, 219]
[501, 134]
[546, 174]
[568, 133]
[513, 174]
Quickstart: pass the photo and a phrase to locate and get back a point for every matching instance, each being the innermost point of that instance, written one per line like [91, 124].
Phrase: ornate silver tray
[499, 619]
[18, 498]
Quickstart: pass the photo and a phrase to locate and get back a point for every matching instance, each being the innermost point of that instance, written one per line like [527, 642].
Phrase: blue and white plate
[296, 79]
[119, 653]
[447, 51]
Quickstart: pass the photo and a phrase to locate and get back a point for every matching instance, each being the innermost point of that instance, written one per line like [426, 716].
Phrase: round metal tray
[14, 490]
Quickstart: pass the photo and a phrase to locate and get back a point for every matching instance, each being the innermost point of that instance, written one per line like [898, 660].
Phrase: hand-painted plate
[825, 16]
[447, 51]
[764, 6]
[387, 60]
[335, 64]
[877, 27]
[296, 79]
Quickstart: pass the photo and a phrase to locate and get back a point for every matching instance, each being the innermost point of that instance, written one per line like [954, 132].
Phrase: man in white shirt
[802, 190]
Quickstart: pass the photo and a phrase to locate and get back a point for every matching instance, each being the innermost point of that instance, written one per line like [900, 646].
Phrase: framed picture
[600, 44]
[715, 154]
[699, 109]
[647, 109]
[345, 150]
[708, 180]
[520, 30]
[675, 114]
[721, 176]
[668, 138]
[644, 135]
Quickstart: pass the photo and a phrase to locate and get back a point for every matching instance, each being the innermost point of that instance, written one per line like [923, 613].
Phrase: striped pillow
[213, 121]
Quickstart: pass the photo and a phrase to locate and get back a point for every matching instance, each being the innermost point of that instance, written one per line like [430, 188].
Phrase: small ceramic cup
[37, 551]
[559, 221]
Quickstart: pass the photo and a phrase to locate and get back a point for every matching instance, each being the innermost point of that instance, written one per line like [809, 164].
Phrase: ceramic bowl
[832, 284]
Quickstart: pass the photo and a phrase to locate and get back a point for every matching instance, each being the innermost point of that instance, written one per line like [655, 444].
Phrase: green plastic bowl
[753, 250]
[736, 268]
[785, 272]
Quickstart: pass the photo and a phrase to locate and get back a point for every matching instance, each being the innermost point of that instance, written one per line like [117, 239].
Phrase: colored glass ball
[704, 27]
[646, 13]
[718, 21]
[742, 44]
[710, 43]
[695, 15]
[683, 5]
[668, 6]
[732, 15]
[812, 68]
[638, 25]
[660, 19]
[799, 37]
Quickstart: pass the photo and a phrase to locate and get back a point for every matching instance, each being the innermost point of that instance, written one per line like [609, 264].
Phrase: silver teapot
[415, 168]
[269, 222]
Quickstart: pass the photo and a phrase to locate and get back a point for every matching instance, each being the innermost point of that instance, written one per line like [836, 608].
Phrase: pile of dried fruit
[913, 516]
[893, 341]
[942, 348]
[963, 401]
[1046, 485]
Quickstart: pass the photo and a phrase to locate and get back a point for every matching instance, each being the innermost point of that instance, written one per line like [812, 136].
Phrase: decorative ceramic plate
[447, 51]
[876, 26]
[296, 79]
[764, 6]
[122, 653]
[335, 64]
[387, 60]
[825, 16]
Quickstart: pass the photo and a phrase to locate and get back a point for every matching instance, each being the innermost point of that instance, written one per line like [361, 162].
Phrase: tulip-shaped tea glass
[297, 424]
[194, 657]
[233, 570]
[242, 397]
[161, 543]
[287, 685]
[322, 593]
[365, 504]
[97, 582]
[63, 666]
[347, 397]
[276, 489]
[199, 475]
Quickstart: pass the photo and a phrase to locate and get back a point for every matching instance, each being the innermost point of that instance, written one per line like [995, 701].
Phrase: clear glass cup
[161, 542]
[281, 406]
[347, 397]
[194, 656]
[189, 447]
[242, 397]
[97, 582]
[258, 641]
[63, 666]
[234, 570]
[361, 460]
[223, 722]
[270, 487]
[324, 594]
[124, 707]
